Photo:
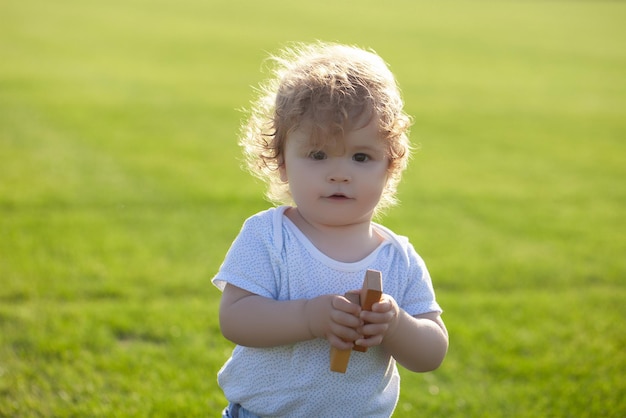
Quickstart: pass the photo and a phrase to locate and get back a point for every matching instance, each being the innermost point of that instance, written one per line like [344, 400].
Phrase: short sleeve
[252, 260]
[419, 296]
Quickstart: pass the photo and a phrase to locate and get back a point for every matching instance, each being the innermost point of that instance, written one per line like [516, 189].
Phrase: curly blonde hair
[331, 87]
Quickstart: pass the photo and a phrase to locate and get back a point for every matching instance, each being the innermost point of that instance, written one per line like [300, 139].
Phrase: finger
[376, 317]
[339, 343]
[370, 341]
[342, 304]
[382, 307]
[370, 330]
[345, 333]
[345, 319]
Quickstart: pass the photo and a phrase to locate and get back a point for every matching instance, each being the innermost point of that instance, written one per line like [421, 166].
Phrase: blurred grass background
[120, 192]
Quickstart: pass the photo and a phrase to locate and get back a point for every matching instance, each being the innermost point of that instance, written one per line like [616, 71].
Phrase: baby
[328, 135]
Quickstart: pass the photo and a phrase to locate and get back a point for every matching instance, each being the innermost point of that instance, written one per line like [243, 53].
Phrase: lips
[337, 196]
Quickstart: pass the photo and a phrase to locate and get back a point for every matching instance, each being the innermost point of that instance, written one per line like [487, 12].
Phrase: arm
[418, 343]
[255, 321]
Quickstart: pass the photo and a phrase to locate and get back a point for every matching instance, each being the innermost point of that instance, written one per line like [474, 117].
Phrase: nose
[339, 170]
[339, 176]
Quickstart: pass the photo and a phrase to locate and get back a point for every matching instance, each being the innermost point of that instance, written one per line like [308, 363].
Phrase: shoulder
[266, 225]
[251, 261]
[265, 220]
[400, 243]
[262, 218]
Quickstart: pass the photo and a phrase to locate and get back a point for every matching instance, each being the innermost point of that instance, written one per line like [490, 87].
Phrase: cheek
[296, 175]
[383, 172]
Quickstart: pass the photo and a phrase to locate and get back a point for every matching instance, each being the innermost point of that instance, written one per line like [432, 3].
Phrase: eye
[360, 157]
[317, 155]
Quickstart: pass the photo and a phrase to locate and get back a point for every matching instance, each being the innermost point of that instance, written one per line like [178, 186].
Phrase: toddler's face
[342, 182]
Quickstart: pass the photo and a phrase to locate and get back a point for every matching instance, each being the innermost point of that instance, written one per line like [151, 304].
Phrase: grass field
[120, 192]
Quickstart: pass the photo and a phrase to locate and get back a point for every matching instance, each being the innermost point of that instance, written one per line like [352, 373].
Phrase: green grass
[120, 192]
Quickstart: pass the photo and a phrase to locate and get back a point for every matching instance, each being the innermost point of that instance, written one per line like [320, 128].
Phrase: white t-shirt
[271, 257]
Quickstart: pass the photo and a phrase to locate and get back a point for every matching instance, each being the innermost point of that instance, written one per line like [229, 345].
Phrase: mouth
[337, 196]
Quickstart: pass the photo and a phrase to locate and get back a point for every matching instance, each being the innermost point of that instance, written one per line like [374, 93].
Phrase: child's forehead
[308, 135]
[330, 130]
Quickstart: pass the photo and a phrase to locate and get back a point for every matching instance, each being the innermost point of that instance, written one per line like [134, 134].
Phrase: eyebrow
[367, 147]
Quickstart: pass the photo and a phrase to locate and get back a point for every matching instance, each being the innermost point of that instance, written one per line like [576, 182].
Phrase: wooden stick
[339, 358]
[371, 293]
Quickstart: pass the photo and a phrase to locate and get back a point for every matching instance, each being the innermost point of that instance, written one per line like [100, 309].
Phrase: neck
[346, 243]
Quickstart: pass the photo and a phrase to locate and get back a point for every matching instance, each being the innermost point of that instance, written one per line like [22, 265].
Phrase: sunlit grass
[121, 191]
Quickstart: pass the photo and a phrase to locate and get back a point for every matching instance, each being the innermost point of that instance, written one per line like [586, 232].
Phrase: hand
[334, 318]
[381, 321]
